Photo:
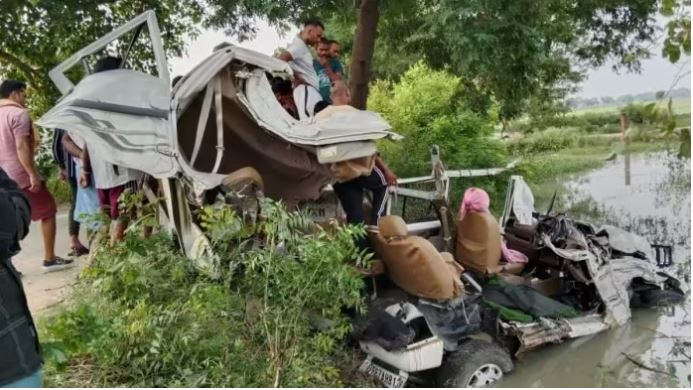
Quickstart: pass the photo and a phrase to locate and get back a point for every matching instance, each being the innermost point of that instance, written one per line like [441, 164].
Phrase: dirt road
[44, 290]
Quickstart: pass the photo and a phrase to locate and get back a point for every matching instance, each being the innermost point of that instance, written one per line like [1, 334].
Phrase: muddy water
[648, 194]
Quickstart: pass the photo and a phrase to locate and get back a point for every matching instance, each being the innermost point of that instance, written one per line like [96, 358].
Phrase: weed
[142, 315]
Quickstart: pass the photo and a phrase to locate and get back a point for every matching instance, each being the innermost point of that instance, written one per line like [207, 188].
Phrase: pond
[648, 194]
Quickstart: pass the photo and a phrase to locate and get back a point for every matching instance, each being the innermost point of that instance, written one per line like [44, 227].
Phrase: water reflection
[626, 165]
[649, 195]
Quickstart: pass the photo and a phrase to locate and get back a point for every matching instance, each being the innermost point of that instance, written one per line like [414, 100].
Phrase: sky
[266, 41]
[657, 73]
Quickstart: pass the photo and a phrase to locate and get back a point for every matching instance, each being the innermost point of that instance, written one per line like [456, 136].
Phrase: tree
[678, 38]
[514, 48]
[607, 100]
[591, 102]
[572, 103]
[39, 34]
[362, 56]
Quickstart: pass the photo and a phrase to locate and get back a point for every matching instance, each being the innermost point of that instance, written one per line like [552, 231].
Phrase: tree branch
[644, 366]
[32, 74]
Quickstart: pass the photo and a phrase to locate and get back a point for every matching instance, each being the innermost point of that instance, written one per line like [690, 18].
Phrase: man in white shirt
[299, 57]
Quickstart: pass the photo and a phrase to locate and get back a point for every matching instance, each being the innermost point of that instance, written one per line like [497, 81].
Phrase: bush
[49, 170]
[590, 122]
[643, 113]
[58, 188]
[551, 140]
[143, 316]
[422, 108]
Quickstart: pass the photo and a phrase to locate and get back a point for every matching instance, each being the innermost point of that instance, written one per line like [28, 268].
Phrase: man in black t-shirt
[20, 354]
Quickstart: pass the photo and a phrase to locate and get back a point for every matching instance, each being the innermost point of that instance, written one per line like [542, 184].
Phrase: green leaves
[671, 51]
[38, 35]
[513, 50]
[424, 108]
[142, 316]
[678, 38]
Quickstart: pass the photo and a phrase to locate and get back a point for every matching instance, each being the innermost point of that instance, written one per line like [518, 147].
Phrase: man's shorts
[42, 203]
[108, 198]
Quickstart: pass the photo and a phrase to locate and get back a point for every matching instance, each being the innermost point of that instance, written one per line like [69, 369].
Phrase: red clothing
[42, 203]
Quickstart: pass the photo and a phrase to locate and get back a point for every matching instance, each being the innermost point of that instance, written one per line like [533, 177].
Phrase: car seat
[479, 245]
[246, 180]
[413, 263]
[242, 190]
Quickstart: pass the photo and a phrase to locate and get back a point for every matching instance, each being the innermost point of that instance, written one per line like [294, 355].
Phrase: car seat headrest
[392, 226]
[240, 179]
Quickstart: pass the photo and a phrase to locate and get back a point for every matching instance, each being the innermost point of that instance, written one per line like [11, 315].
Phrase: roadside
[45, 290]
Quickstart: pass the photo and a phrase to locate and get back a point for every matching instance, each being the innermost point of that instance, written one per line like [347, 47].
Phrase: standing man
[327, 69]
[20, 352]
[110, 180]
[298, 55]
[17, 160]
[355, 176]
[68, 173]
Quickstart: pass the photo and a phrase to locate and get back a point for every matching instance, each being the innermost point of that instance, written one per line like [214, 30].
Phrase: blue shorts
[34, 380]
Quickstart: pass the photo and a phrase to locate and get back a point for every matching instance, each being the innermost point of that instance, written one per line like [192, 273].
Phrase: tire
[477, 363]
[659, 298]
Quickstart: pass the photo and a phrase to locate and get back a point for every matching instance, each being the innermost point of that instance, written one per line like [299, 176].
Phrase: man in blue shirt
[335, 51]
[327, 68]
[68, 173]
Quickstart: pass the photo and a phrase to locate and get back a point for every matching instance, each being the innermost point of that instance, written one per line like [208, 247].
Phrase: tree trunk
[362, 52]
[33, 75]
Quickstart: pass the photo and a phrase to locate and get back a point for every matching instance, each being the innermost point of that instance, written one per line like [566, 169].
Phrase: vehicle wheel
[477, 363]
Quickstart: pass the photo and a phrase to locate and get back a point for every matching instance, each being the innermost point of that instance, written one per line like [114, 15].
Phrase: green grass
[59, 189]
[679, 105]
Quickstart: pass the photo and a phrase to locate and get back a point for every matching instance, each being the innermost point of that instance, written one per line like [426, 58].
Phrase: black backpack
[15, 216]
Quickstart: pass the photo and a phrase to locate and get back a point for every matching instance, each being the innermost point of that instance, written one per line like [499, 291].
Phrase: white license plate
[388, 378]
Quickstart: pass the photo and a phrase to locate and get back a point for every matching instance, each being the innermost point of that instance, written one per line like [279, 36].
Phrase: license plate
[386, 377]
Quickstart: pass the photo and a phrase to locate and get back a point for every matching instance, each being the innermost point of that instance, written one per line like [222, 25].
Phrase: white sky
[657, 73]
[266, 41]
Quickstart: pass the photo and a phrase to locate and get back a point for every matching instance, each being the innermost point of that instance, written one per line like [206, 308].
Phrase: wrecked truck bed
[584, 279]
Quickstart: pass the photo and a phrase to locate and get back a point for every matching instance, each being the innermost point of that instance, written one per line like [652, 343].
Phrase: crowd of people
[319, 90]
[96, 187]
[95, 184]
